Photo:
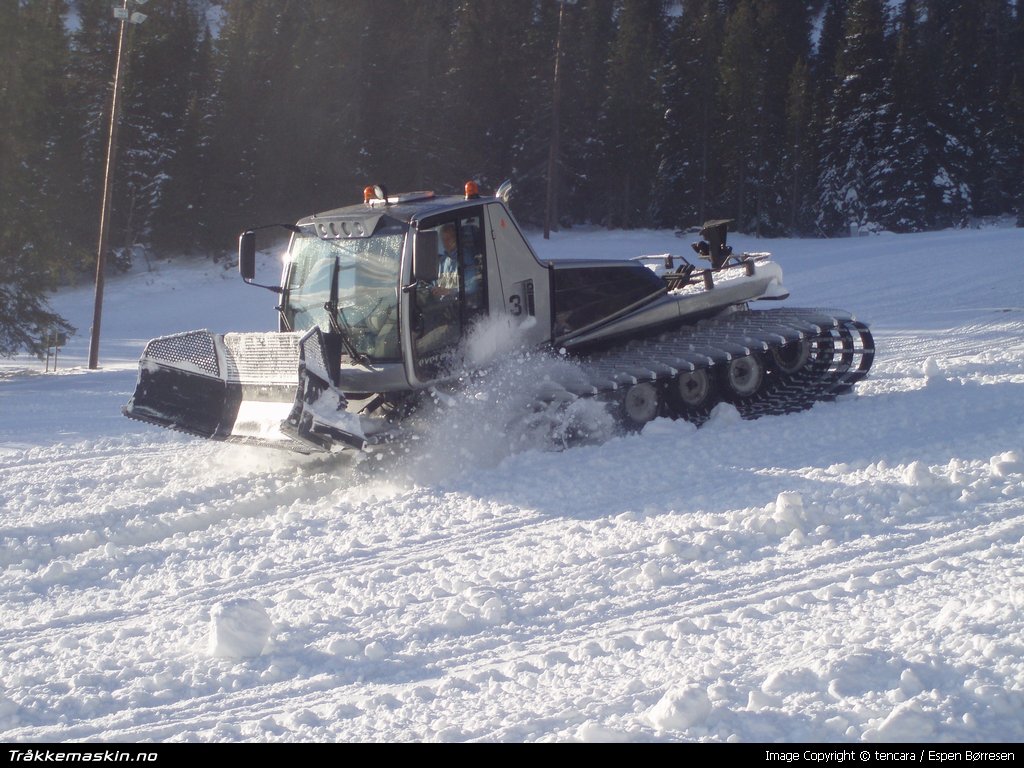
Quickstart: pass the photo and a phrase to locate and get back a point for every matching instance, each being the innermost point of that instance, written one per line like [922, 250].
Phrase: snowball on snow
[375, 651]
[680, 708]
[239, 629]
[724, 413]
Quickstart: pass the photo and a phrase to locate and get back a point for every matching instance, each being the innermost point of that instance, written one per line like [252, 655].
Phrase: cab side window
[471, 250]
[445, 308]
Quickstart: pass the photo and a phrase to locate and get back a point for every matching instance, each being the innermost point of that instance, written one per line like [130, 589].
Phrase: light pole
[128, 17]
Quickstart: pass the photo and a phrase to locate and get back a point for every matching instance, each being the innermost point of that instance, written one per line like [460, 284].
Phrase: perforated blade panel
[194, 350]
[313, 354]
[261, 358]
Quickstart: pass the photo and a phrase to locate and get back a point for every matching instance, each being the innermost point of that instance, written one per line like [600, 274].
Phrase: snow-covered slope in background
[850, 573]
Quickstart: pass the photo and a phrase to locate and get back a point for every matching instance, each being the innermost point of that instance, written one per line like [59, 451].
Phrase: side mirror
[247, 255]
[424, 257]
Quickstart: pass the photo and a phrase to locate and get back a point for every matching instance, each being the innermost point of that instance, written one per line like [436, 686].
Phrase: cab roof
[407, 208]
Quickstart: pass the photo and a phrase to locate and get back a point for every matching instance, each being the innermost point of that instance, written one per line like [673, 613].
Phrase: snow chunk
[1007, 463]
[589, 650]
[759, 700]
[931, 369]
[789, 510]
[494, 611]
[8, 712]
[239, 629]
[680, 708]
[591, 732]
[669, 547]
[453, 621]
[907, 722]
[910, 683]
[950, 616]
[341, 646]
[919, 475]
[862, 673]
[789, 681]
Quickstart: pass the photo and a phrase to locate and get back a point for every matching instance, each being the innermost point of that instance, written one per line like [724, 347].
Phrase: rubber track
[841, 353]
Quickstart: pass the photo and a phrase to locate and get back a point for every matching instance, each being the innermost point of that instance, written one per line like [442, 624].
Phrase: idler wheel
[791, 357]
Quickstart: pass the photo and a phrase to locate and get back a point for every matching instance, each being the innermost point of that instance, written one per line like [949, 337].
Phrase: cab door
[443, 310]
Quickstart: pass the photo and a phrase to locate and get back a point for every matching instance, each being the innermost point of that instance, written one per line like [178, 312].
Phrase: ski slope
[852, 573]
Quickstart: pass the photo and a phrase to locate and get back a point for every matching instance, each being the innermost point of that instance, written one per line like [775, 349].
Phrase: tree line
[793, 117]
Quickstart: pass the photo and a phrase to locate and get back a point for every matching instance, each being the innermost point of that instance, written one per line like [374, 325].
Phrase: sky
[851, 573]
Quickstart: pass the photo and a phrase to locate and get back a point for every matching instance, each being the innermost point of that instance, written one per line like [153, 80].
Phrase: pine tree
[402, 117]
[182, 222]
[742, 103]
[588, 35]
[979, 61]
[764, 39]
[857, 154]
[1015, 116]
[915, 138]
[85, 123]
[955, 128]
[161, 79]
[252, 163]
[687, 168]
[799, 158]
[830, 39]
[482, 93]
[320, 123]
[633, 113]
[783, 30]
[539, 151]
[823, 88]
[32, 50]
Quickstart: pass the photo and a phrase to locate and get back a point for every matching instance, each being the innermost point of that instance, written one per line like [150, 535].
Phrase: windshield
[367, 285]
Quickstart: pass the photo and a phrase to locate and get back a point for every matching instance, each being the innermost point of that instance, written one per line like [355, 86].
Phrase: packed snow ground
[850, 573]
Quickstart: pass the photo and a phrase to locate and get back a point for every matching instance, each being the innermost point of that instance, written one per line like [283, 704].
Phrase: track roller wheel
[692, 395]
[639, 406]
[743, 376]
[694, 390]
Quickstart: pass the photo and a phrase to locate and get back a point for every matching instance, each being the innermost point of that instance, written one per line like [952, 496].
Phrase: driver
[448, 265]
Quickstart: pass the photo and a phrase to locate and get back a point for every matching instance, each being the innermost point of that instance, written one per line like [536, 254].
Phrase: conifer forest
[816, 118]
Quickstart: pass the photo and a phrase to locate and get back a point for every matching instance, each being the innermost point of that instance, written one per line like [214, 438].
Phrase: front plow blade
[180, 385]
[237, 387]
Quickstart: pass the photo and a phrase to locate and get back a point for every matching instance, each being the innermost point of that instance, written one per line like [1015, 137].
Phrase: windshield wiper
[335, 313]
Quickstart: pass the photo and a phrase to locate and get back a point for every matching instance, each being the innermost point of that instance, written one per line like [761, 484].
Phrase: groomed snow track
[762, 361]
